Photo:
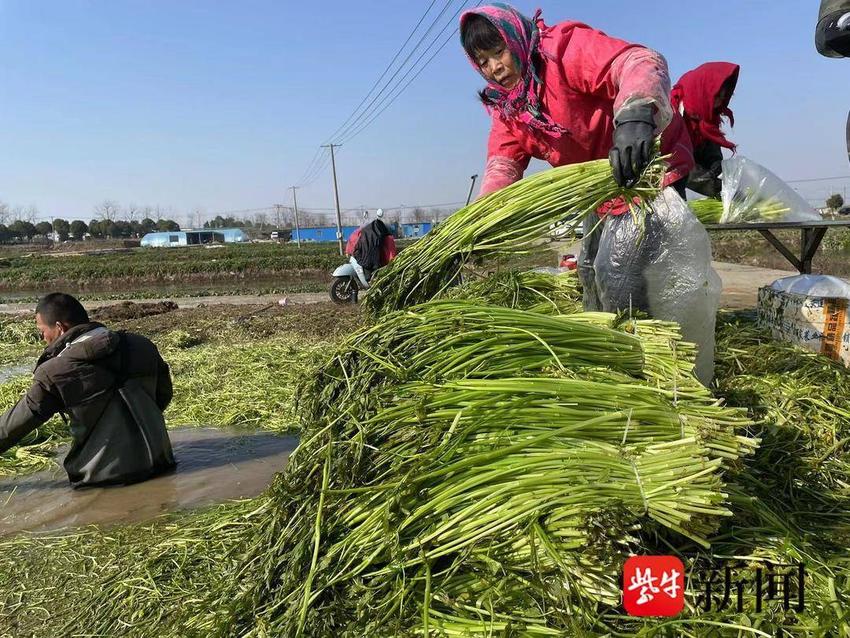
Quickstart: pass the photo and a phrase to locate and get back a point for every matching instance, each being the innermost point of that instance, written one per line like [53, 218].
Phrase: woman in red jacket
[567, 94]
[702, 97]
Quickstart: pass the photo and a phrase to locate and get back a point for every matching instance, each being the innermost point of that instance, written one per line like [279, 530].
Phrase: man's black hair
[58, 306]
[479, 35]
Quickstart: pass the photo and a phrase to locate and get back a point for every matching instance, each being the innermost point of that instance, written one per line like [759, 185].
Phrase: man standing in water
[111, 389]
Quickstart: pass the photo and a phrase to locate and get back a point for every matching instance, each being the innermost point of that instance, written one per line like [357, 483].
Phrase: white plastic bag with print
[751, 193]
[667, 272]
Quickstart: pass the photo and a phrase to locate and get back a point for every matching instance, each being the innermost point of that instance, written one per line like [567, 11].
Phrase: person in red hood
[567, 94]
[702, 97]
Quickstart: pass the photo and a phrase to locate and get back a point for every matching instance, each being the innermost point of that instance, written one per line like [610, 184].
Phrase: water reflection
[212, 466]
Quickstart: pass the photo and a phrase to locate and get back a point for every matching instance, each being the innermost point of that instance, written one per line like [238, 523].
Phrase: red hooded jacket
[586, 77]
[694, 97]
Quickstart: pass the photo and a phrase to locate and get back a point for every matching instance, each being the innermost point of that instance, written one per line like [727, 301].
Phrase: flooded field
[213, 466]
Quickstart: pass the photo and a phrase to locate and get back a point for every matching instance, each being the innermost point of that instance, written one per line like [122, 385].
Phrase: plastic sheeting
[813, 286]
[751, 193]
[665, 272]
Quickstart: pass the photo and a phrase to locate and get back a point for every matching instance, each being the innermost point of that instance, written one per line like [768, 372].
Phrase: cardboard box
[819, 324]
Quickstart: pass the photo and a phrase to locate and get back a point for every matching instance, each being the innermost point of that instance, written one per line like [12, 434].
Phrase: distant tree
[419, 215]
[132, 212]
[147, 225]
[30, 214]
[5, 235]
[78, 228]
[107, 210]
[167, 225]
[124, 228]
[16, 229]
[22, 229]
[835, 201]
[97, 228]
[197, 218]
[261, 221]
[43, 228]
[4, 213]
[62, 228]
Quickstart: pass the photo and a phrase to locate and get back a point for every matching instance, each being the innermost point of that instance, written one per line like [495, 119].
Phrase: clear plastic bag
[751, 193]
[813, 286]
[667, 272]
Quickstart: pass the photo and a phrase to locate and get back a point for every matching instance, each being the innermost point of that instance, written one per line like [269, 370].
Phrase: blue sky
[220, 106]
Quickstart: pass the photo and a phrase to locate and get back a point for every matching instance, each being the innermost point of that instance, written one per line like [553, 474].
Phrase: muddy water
[9, 371]
[213, 466]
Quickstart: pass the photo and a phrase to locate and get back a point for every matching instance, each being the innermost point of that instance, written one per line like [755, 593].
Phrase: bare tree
[31, 214]
[107, 210]
[419, 215]
[287, 216]
[132, 212]
[198, 215]
[4, 213]
[17, 213]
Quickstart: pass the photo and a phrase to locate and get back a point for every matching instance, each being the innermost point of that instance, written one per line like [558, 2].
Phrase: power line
[817, 179]
[317, 172]
[366, 112]
[421, 68]
[360, 124]
[244, 211]
[384, 73]
[356, 123]
[316, 156]
[321, 211]
[315, 166]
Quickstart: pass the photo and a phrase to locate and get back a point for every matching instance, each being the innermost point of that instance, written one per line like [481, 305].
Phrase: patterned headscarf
[522, 37]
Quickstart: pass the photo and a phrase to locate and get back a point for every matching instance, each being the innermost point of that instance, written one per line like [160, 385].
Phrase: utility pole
[297, 228]
[471, 187]
[336, 197]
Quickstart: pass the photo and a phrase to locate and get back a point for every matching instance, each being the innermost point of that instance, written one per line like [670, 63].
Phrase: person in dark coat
[375, 246]
[111, 388]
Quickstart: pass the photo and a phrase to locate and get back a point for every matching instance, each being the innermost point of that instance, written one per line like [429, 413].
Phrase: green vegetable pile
[482, 464]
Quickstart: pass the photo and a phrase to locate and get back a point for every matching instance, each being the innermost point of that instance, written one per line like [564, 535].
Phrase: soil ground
[741, 283]
[217, 323]
[740, 290]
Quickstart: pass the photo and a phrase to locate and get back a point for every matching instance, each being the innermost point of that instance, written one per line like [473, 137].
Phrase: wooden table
[811, 235]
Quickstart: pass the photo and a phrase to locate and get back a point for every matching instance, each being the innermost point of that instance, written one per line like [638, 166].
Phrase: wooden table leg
[782, 248]
[810, 241]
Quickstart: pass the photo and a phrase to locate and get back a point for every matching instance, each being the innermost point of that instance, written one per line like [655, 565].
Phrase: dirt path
[741, 283]
[740, 290]
[189, 302]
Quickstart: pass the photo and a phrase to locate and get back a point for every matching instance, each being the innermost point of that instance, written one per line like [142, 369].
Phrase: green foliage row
[166, 263]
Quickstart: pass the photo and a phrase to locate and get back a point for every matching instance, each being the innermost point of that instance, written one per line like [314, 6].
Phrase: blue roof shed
[322, 233]
[195, 237]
